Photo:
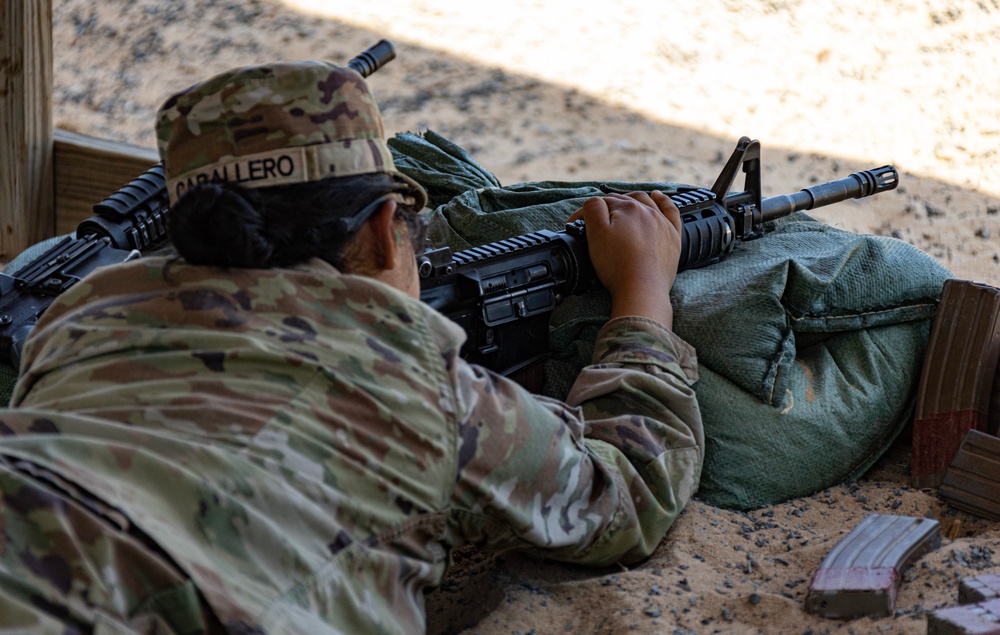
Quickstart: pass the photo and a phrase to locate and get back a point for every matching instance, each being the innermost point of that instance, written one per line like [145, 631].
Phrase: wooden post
[27, 212]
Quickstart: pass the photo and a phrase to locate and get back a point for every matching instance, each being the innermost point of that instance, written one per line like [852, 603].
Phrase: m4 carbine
[502, 293]
[130, 223]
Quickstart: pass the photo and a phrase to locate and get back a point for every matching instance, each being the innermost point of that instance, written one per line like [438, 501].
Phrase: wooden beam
[26, 199]
[88, 170]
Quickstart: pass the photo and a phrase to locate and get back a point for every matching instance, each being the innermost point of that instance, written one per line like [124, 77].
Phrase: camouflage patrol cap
[275, 124]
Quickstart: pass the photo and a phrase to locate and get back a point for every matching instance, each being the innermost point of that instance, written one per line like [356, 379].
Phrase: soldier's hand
[634, 242]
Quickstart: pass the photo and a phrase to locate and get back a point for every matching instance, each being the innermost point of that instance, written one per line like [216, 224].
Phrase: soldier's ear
[385, 235]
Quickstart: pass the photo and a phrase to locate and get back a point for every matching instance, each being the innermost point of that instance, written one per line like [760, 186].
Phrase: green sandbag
[847, 400]
[810, 342]
[443, 168]
[810, 339]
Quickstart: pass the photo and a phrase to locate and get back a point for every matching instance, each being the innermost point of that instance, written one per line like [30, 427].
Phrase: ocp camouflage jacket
[298, 451]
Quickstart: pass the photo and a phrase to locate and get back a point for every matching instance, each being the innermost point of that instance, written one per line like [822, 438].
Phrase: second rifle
[130, 223]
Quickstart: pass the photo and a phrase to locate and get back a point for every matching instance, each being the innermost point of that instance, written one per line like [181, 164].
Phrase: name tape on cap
[264, 169]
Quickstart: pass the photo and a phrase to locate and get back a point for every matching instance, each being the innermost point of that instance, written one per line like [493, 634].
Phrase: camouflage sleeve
[594, 481]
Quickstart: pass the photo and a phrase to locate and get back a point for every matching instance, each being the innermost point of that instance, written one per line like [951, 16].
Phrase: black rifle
[128, 224]
[502, 293]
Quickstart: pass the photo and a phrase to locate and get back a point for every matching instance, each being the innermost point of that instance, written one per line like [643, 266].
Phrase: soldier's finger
[594, 212]
[667, 206]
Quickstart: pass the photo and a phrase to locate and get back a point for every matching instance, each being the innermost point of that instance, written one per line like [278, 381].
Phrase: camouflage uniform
[297, 450]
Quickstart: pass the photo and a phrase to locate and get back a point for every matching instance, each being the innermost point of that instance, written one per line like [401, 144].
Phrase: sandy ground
[642, 91]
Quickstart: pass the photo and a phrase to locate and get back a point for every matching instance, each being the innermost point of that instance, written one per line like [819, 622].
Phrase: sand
[643, 91]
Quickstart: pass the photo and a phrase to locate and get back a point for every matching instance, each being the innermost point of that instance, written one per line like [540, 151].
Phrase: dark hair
[226, 225]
